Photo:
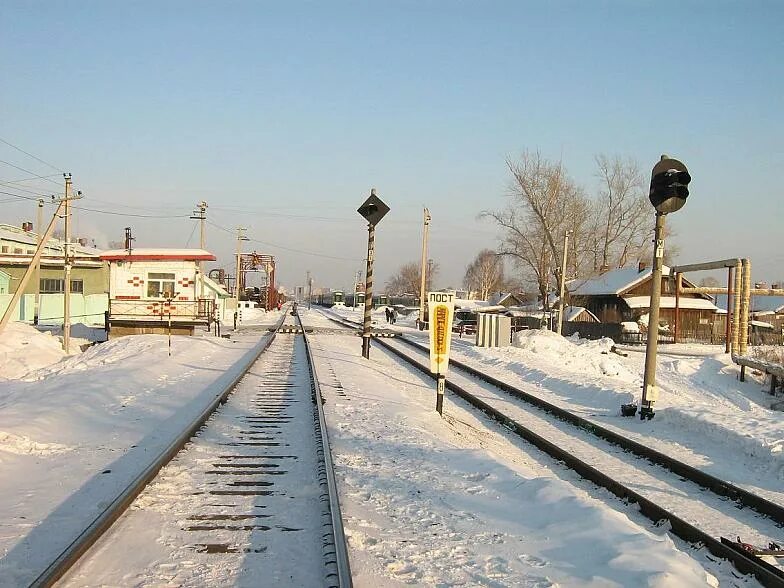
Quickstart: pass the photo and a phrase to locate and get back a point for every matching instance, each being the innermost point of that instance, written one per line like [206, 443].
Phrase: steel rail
[716, 485]
[746, 563]
[336, 537]
[103, 521]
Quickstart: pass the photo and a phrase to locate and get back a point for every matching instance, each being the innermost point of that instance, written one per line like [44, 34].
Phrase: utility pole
[310, 289]
[200, 214]
[11, 308]
[238, 279]
[423, 272]
[562, 285]
[38, 229]
[67, 265]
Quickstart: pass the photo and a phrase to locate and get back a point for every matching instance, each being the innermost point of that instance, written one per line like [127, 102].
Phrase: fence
[88, 309]
[191, 311]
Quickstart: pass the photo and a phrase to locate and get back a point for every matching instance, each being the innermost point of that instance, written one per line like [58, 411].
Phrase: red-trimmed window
[160, 285]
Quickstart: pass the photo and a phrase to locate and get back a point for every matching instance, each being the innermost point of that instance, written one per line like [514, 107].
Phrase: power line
[27, 171]
[21, 196]
[5, 184]
[129, 214]
[19, 181]
[96, 210]
[354, 259]
[31, 155]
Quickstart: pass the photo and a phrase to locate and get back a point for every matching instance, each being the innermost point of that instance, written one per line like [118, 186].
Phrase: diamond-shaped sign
[373, 209]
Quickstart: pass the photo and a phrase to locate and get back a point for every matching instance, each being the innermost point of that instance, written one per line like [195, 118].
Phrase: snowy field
[427, 501]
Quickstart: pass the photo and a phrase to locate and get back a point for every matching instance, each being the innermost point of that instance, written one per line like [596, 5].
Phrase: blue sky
[282, 116]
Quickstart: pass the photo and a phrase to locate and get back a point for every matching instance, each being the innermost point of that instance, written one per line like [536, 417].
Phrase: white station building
[149, 289]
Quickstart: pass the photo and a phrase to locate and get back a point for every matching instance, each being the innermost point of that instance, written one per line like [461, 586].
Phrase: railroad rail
[745, 562]
[255, 457]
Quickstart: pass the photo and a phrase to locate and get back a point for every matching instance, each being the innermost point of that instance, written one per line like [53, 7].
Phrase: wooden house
[623, 295]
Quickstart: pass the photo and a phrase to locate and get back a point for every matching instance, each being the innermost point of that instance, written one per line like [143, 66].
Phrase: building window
[5, 249]
[160, 285]
[51, 285]
[18, 250]
[55, 286]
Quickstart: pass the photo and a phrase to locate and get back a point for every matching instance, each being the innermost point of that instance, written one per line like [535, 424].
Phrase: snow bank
[592, 357]
[23, 348]
[107, 353]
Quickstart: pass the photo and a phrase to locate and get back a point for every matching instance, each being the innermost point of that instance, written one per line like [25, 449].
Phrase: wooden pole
[562, 285]
[67, 268]
[677, 306]
[423, 269]
[30, 269]
[38, 229]
[730, 314]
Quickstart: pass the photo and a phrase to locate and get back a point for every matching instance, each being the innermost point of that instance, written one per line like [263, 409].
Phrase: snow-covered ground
[704, 415]
[427, 501]
[457, 502]
[75, 429]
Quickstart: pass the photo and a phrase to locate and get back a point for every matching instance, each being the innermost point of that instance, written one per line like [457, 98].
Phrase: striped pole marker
[368, 291]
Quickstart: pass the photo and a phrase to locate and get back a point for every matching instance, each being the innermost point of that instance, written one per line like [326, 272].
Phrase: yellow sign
[441, 307]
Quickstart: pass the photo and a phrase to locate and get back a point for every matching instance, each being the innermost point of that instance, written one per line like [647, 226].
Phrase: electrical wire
[27, 171]
[129, 214]
[193, 230]
[21, 196]
[30, 155]
[229, 231]
[22, 189]
[19, 181]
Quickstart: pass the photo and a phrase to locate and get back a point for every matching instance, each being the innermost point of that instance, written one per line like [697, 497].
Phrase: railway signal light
[669, 190]
[669, 185]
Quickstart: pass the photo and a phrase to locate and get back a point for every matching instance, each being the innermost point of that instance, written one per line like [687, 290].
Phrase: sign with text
[441, 310]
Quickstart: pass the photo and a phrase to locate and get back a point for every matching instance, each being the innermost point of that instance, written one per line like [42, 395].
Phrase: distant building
[89, 275]
[623, 295]
[148, 286]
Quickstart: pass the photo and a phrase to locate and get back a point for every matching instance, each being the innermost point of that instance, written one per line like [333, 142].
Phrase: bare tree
[407, 279]
[622, 213]
[485, 274]
[544, 204]
[709, 282]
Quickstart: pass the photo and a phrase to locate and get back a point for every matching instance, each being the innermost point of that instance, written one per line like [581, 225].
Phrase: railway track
[245, 496]
[699, 508]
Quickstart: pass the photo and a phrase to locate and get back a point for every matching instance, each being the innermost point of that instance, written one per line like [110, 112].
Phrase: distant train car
[330, 299]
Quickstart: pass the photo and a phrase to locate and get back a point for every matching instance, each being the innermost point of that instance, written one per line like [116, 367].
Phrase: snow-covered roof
[219, 290]
[669, 302]
[612, 282]
[14, 234]
[768, 304]
[572, 312]
[17, 235]
[158, 255]
[464, 304]
[761, 324]
[504, 297]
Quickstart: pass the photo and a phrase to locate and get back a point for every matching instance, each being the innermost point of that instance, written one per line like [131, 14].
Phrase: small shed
[151, 288]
